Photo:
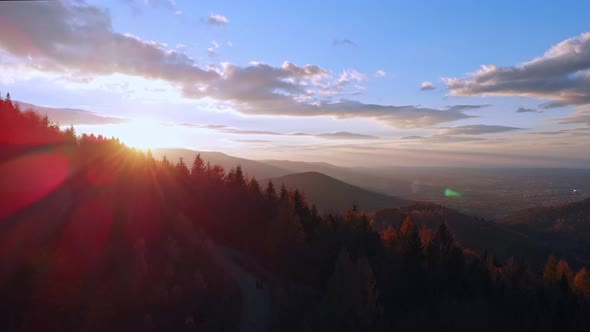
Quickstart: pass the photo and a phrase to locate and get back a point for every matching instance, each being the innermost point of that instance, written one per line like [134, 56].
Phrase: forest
[98, 236]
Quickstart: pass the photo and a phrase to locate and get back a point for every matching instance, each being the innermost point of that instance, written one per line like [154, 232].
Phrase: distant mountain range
[328, 193]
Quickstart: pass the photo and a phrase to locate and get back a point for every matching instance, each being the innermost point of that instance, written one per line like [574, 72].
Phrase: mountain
[70, 116]
[330, 194]
[363, 178]
[250, 167]
[471, 232]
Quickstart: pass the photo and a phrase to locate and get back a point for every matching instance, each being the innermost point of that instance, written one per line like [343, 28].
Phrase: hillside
[566, 227]
[363, 178]
[251, 168]
[330, 194]
[470, 232]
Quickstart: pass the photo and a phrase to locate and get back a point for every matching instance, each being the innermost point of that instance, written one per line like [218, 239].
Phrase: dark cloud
[561, 75]
[527, 110]
[343, 42]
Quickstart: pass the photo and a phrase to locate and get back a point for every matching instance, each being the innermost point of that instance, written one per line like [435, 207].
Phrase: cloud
[478, 129]
[561, 75]
[59, 39]
[168, 4]
[426, 86]
[551, 105]
[580, 117]
[343, 42]
[345, 135]
[380, 73]
[527, 110]
[229, 130]
[64, 39]
[466, 107]
[218, 20]
[441, 139]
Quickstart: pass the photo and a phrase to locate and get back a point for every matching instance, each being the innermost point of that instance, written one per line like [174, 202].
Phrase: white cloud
[216, 19]
[561, 75]
[380, 73]
[426, 86]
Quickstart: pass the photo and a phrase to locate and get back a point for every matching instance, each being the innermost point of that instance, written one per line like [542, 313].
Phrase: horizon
[442, 86]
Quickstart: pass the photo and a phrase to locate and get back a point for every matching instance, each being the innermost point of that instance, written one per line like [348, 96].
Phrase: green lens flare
[451, 193]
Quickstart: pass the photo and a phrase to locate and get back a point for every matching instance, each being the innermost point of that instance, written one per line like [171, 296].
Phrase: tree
[410, 244]
[70, 135]
[270, 193]
[582, 283]
[198, 168]
[254, 187]
[181, 169]
[426, 235]
[350, 303]
[284, 196]
[390, 236]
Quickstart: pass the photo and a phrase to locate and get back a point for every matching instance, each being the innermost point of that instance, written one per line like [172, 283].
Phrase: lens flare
[452, 193]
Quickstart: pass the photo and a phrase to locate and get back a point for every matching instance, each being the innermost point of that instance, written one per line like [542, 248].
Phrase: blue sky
[332, 66]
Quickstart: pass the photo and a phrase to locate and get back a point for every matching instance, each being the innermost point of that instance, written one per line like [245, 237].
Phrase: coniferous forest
[98, 236]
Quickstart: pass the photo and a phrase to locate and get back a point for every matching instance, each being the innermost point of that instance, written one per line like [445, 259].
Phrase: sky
[371, 83]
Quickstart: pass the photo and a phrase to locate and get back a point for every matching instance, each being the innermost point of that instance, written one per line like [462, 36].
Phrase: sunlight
[145, 133]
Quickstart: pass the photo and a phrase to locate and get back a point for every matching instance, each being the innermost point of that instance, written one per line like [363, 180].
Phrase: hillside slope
[565, 228]
[330, 194]
[470, 232]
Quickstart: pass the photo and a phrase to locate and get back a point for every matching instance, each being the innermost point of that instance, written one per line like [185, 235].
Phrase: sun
[146, 133]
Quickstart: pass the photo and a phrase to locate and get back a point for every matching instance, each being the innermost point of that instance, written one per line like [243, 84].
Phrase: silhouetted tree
[270, 192]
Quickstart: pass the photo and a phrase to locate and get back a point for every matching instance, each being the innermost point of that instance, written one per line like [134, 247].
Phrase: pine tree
[198, 168]
[254, 187]
[240, 179]
[270, 193]
[181, 169]
[284, 196]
